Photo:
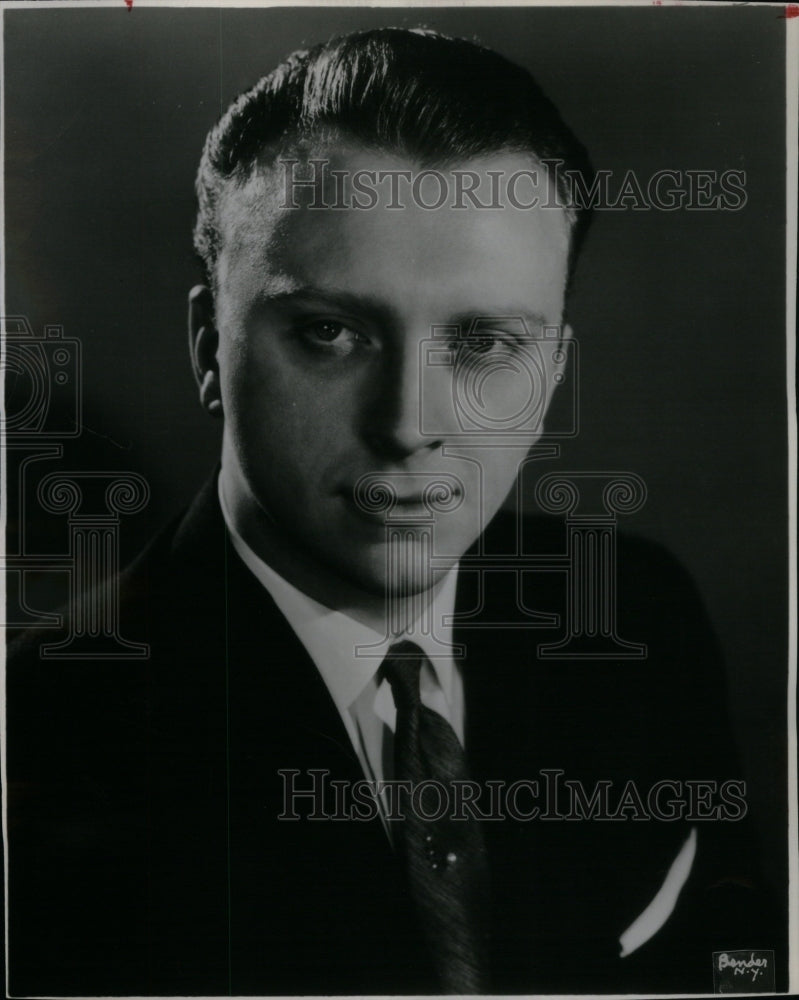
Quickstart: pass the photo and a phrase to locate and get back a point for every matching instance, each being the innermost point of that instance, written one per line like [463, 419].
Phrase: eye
[327, 330]
[482, 342]
[332, 335]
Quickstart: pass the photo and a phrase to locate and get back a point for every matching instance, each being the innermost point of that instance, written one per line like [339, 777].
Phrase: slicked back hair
[436, 99]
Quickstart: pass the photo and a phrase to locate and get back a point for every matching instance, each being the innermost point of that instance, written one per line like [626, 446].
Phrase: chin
[399, 571]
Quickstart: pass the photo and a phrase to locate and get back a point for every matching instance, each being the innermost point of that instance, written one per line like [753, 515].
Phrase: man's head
[347, 322]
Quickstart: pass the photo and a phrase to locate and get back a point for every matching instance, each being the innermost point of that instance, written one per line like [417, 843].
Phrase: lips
[378, 511]
[410, 500]
[403, 496]
[382, 506]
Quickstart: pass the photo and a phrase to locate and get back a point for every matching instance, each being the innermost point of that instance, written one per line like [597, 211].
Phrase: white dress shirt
[348, 655]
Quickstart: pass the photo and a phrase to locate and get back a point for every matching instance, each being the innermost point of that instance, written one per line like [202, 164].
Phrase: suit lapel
[280, 737]
[267, 668]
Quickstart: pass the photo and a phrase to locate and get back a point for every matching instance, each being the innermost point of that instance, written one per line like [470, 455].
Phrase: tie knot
[401, 669]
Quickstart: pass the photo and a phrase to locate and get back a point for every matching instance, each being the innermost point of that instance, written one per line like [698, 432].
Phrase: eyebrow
[501, 314]
[346, 301]
[381, 312]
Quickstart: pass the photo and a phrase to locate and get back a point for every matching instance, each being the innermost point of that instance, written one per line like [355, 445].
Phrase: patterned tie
[445, 858]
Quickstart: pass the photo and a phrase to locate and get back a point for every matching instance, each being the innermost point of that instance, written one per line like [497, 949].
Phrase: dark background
[680, 315]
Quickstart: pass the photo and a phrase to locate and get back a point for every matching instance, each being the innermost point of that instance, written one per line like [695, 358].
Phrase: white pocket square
[661, 907]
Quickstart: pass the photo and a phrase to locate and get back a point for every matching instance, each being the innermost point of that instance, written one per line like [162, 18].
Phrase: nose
[405, 414]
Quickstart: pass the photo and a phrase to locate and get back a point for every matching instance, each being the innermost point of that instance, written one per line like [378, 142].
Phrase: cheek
[276, 409]
[500, 466]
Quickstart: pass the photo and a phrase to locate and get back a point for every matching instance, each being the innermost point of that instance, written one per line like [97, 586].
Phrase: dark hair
[435, 98]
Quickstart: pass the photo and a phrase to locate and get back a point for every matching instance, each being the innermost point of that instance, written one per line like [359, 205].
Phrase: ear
[203, 345]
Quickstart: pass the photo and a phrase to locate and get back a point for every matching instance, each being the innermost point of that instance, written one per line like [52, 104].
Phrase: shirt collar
[346, 652]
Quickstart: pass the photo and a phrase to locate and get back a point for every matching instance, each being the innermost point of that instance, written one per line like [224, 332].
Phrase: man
[321, 617]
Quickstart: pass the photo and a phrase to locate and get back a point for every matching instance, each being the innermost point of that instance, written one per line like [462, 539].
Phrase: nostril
[393, 424]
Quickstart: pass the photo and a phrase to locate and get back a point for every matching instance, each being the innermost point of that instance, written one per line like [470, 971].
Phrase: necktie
[445, 857]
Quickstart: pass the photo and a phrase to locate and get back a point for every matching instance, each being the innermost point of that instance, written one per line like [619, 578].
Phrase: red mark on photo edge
[791, 10]
[129, 4]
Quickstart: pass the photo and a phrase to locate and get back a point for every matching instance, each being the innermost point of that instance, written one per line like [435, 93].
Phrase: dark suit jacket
[146, 856]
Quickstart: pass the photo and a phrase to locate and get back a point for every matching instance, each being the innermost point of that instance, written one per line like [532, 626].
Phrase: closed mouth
[412, 504]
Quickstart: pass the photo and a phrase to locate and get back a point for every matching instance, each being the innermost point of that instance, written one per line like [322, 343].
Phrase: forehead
[274, 238]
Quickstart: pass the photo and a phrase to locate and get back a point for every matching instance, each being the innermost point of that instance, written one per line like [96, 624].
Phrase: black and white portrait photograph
[398, 498]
